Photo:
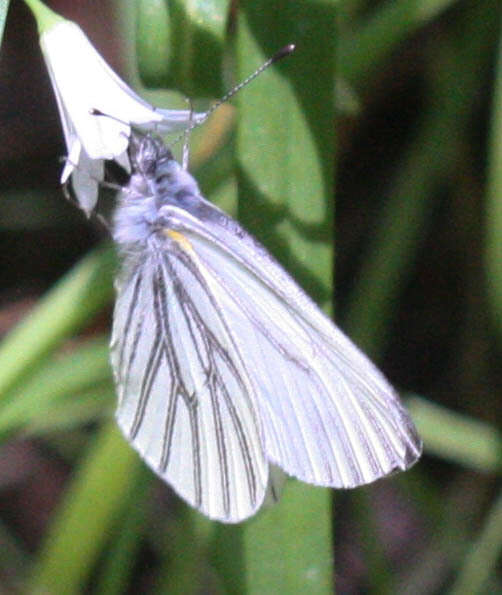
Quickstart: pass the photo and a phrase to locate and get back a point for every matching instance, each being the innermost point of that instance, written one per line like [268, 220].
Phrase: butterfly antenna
[282, 53]
[186, 135]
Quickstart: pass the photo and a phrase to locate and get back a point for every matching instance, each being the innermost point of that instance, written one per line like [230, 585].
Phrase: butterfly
[224, 366]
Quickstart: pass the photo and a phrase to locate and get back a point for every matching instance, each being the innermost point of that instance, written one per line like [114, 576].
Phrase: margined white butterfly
[224, 366]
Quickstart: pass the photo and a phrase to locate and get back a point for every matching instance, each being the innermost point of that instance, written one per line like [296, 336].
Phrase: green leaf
[428, 163]
[191, 35]
[483, 556]
[187, 546]
[362, 52]
[61, 312]
[119, 563]
[74, 412]
[288, 548]
[456, 437]
[285, 156]
[81, 525]
[285, 138]
[153, 45]
[494, 201]
[33, 402]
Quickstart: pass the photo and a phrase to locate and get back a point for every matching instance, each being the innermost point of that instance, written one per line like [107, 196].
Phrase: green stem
[45, 17]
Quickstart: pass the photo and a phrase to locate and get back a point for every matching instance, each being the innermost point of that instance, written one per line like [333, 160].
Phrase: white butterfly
[225, 366]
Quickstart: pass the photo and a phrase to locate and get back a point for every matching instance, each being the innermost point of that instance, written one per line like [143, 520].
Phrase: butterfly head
[147, 152]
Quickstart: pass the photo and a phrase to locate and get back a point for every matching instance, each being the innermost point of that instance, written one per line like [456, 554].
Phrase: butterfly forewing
[329, 417]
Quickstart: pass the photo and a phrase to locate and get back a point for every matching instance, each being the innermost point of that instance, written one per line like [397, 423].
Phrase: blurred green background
[392, 108]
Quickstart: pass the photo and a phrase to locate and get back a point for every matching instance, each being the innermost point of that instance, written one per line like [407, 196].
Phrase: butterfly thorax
[157, 180]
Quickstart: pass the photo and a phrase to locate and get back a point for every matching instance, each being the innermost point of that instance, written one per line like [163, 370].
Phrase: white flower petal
[83, 82]
[72, 160]
[85, 181]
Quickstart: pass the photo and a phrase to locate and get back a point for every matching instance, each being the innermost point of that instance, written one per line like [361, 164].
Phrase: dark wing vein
[130, 312]
[216, 383]
[304, 366]
[151, 370]
[178, 388]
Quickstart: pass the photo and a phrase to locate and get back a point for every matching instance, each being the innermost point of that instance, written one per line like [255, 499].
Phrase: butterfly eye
[148, 167]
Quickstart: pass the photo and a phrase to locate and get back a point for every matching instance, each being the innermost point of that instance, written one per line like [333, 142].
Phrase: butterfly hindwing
[184, 399]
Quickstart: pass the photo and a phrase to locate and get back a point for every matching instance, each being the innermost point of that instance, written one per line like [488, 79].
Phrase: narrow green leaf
[285, 151]
[428, 163]
[452, 511]
[186, 550]
[123, 549]
[59, 377]
[456, 437]
[494, 201]
[73, 412]
[287, 548]
[392, 249]
[362, 52]
[60, 313]
[82, 522]
[374, 556]
[483, 556]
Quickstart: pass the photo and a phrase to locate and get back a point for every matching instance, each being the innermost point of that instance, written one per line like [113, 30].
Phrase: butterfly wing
[223, 364]
[329, 417]
[185, 399]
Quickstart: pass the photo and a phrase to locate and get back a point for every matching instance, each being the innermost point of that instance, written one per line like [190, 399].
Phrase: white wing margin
[184, 394]
[329, 416]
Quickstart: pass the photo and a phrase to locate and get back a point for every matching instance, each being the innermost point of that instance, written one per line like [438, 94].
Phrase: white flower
[83, 82]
